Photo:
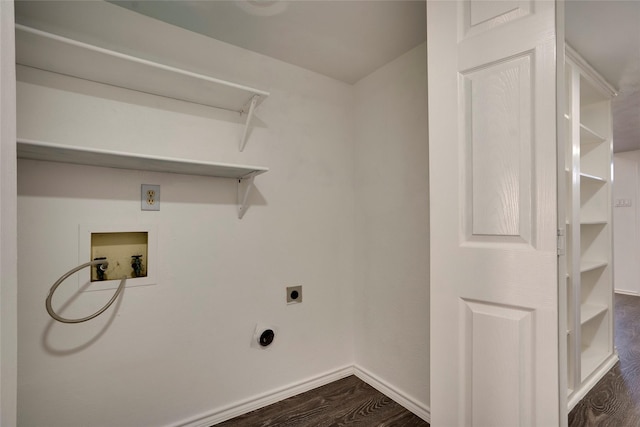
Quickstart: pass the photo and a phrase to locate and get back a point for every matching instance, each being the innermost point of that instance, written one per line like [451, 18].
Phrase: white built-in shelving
[51, 52]
[589, 270]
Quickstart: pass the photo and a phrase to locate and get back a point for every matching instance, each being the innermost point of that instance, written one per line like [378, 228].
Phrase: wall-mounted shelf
[38, 150]
[50, 52]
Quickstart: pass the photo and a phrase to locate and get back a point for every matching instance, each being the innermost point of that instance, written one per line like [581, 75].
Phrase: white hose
[103, 265]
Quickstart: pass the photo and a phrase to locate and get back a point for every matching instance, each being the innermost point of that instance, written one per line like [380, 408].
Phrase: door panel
[494, 271]
[495, 112]
[498, 377]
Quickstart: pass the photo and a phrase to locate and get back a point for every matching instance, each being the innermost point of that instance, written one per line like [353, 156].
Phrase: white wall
[626, 234]
[8, 243]
[180, 349]
[392, 223]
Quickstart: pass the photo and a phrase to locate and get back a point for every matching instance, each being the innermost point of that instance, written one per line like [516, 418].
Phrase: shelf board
[592, 178]
[591, 311]
[590, 223]
[50, 52]
[588, 136]
[594, 222]
[38, 150]
[592, 357]
[586, 266]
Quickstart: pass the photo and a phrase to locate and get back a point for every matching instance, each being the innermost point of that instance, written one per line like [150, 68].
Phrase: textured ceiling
[607, 35]
[346, 40]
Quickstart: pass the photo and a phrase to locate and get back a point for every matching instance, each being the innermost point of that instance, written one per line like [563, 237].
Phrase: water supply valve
[136, 264]
[101, 268]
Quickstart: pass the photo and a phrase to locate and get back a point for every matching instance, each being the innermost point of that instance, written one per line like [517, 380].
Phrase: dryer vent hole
[266, 337]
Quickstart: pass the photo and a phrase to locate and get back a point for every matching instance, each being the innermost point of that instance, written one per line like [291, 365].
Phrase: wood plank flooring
[346, 402]
[613, 402]
[615, 399]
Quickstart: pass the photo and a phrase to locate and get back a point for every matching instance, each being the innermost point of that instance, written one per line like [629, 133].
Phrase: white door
[494, 272]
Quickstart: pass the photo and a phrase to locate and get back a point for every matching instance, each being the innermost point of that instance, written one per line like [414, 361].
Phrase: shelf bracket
[245, 184]
[245, 131]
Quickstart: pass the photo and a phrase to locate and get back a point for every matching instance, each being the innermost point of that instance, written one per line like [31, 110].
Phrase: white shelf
[594, 222]
[588, 136]
[592, 357]
[50, 52]
[591, 265]
[591, 311]
[589, 177]
[38, 150]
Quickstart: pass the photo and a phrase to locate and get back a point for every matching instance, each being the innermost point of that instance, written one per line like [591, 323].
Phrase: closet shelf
[592, 357]
[594, 222]
[586, 266]
[50, 52]
[590, 311]
[38, 150]
[594, 178]
[588, 136]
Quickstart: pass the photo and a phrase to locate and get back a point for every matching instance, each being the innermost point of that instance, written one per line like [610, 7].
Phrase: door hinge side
[562, 242]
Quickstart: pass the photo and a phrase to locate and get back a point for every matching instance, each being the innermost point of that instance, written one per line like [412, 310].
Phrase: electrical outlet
[150, 197]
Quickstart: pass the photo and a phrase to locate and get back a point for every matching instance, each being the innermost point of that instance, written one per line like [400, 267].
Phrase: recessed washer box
[131, 251]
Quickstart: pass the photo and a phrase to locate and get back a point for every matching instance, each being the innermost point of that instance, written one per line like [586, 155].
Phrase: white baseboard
[623, 292]
[265, 399]
[409, 403]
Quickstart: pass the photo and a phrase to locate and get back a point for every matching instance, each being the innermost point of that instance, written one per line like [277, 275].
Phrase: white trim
[589, 71]
[408, 402]
[231, 411]
[623, 292]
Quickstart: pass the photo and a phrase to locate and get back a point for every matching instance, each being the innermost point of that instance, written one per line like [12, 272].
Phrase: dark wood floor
[345, 402]
[615, 400]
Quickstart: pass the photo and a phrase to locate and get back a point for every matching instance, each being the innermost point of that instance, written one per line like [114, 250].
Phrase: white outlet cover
[84, 255]
[144, 191]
